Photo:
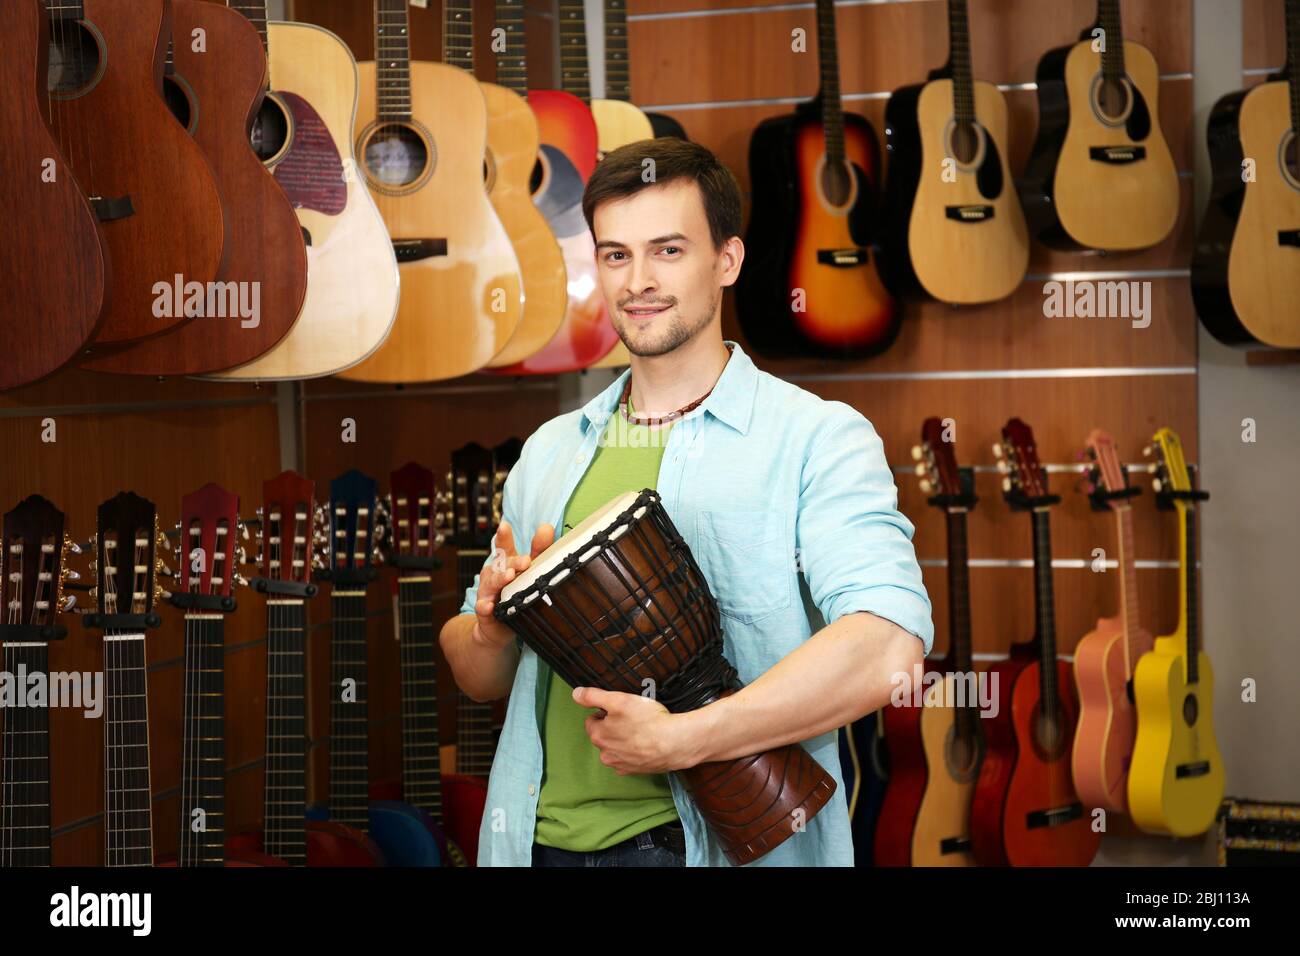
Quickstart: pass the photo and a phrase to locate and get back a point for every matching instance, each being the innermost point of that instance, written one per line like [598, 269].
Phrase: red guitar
[935, 750]
[1025, 811]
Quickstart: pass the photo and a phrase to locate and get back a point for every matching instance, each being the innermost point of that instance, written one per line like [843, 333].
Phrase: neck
[661, 384]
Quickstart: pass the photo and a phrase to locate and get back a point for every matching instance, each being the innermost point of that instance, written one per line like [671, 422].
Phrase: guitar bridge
[843, 258]
[1198, 769]
[413, 250]
[954, 845]
[1289, 237]
[1053, 817]
[969, 213]
[1117, 155]
[110, 209]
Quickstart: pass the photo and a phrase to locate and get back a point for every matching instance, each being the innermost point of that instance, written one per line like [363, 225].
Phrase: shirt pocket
[744, 555]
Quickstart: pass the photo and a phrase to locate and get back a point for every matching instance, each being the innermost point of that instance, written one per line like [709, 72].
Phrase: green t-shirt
[585, 805]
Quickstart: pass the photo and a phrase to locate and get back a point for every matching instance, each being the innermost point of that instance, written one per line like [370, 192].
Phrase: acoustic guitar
[1025, 811]
[289, 534]
[864, 763]
[1104, 658]
[618, 65]
[566, 160]
[303, 134]
[126, 592]
[1175, 785]
[213, 90]
[1100, 175]
[925, 820]
[35, 549]
[809, 284]
[1246, 265]
[52, 255]
[137, 164]
[955, 229]
[422, 141]
[512, 143]
[210, 553]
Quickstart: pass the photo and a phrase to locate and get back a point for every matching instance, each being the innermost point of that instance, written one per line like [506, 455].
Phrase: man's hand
[496, 575]
[635, 734]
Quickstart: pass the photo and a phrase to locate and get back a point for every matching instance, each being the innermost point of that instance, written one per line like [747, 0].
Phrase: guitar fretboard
[618, 85]
[474, 747]
[349, 719]
[128, 814]
[963, 91]
[1045, 609]
[1128, 591]
[575, 75]
[512, 65]
[203, 760]
[1112, 57]
[828, 60]
[1190, 609]
[25, 768]
[393, 59]
[421, 769]
[255, 11]
[1293, 60]
[284, 829]
[458, 34]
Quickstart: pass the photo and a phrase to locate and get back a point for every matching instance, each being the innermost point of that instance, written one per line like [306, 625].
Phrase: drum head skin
[573, 542]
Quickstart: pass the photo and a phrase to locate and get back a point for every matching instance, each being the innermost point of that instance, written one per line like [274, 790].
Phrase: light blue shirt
[784, 498]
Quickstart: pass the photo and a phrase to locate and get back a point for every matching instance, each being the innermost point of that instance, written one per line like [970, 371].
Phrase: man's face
[660, 274]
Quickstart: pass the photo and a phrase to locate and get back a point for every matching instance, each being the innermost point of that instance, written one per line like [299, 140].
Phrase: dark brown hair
[620, 173]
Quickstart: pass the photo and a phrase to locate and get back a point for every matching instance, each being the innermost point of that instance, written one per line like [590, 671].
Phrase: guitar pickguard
[311, 173]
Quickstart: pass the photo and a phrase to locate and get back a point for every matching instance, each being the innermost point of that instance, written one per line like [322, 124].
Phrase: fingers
[505, 538]
[543, 539]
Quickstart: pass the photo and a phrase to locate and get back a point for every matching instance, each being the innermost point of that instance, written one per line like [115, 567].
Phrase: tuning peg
[997, 449]
[1146, 451]
[1003, 466]
[239, 580]
[920, 468]
[1156, 484]
[1006, 484]
[925, 485]
[916, 453]
[71, 546]
[68, 603]
[70, 575]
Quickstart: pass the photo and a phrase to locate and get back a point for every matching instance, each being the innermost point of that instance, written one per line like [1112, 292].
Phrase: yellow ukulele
[1175, 783]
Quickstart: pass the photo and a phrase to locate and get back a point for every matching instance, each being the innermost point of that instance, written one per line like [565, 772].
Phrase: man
[772, 488]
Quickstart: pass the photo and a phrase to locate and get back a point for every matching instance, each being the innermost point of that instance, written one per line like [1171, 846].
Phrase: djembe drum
[619, 603]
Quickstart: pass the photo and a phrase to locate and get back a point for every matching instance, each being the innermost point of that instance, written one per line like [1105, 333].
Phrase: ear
[732, 257]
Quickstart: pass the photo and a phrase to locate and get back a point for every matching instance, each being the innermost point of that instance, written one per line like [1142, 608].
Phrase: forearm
[845, 671]
[483, 671]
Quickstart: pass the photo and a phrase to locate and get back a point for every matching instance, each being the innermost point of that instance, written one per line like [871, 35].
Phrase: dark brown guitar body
[52, 260]
[215, 94]
[159, 206]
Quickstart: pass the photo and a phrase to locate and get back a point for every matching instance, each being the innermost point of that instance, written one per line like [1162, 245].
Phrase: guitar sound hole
[1049, 735]
[177, 101]
[965, 143]
[1291, 158]
[962, 753]
[538, 174]
[837, 184]
[1113, 99]
[74, 58]
[396, 155]
[270, 131]
[1190, 710]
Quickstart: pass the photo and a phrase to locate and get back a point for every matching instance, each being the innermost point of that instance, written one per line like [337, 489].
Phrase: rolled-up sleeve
[855, 546]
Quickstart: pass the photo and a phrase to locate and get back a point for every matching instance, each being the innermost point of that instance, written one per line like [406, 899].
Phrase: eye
[610, 255]
[671, 249]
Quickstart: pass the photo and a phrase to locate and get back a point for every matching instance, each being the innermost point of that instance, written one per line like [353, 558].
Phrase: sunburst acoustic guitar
[955, 229]
[1175, 785]
[422, 137]
[1100, 175]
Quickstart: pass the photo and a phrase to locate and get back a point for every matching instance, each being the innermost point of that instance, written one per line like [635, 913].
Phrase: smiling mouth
[645, 311]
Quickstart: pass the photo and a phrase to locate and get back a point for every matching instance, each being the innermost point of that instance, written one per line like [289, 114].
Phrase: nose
[641, 278]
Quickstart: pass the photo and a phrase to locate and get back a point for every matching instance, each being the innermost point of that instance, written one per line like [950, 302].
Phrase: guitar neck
[960, 657]
[575, 74]
[474, 748]
[393, 59]
[421, 768]
[203, 759]
[128, 810]
[458, 34]
[25, 767]
[828, 59]
[284, 828]
[255, 11]
[1293, 59]
[1044, 605]
[349, 718]
[618, 86]
[512, 66]
[963, 90]
[1112, 56]
[1188, 607]
[1128, 591]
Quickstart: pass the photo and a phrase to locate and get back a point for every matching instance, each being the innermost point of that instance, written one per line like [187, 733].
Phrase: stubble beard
[677, 334]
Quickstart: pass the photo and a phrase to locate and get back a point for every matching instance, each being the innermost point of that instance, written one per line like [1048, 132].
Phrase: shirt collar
[731, 401]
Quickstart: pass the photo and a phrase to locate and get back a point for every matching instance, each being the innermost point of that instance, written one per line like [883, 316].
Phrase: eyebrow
[657, 241]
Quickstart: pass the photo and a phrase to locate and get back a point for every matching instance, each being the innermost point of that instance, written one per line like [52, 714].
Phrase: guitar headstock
[33, 564]
[127, 563]
[416, 530]
[1168, 464]
[470, 481]
[936, 459]
[504, 457]
[1023, 477]
[1106, 480]
[354, 530]
[289, 532]
[211, 552]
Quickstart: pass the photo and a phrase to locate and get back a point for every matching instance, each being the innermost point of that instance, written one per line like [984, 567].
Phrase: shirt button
[531, 790]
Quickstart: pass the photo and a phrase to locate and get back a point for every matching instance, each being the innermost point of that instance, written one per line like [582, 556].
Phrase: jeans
[664, 845]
